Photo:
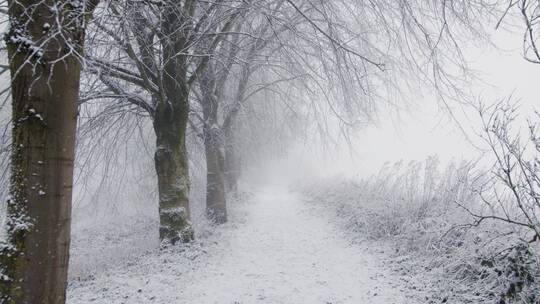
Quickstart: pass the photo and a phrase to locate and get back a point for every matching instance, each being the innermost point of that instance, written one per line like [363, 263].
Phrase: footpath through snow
[277, 249]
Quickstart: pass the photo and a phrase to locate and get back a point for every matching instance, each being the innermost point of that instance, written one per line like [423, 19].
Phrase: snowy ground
[277, 248]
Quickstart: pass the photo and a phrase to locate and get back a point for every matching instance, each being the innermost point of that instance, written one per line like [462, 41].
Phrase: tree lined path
[276, 249]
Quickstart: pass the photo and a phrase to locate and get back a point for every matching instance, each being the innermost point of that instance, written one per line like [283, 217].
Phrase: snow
[276, 248]
[19, 37]
[173, 211]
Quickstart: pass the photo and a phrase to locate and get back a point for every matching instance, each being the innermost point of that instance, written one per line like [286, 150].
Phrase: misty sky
[425, 129]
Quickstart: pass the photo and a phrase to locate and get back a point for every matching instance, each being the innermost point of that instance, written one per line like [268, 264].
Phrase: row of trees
[196, 66]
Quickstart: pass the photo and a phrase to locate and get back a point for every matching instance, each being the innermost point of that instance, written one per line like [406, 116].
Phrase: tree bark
[216, 205]
[173, 180]
[170, 125]
[232, 158]
[45, 69]
[232, 163]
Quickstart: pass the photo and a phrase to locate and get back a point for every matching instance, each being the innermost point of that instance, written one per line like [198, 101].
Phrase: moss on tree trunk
[172, 170]
[216, 205]
[45, 68]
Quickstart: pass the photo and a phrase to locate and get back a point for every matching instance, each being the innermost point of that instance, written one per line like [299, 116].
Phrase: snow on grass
[276, 248]
[411, 215]
[97, 248]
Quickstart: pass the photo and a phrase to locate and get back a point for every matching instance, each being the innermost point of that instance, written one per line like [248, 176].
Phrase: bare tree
[45, 45]
[528, 12]
[511, 194]
[150, 55]
[322, 48]
[237, 55]
[155, 68]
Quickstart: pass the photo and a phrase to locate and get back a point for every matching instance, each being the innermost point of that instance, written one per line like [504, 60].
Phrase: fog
[275, 151]
[426, 127]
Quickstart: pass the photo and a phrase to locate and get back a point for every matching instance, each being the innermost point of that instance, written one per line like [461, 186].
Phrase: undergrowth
[422, 213]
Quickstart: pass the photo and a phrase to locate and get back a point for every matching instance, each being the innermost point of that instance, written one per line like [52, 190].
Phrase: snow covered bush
[411, 203]
[509, 199]
[428, 218]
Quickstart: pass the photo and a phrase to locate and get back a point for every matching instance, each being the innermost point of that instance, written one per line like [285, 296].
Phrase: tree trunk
[232, 162]
[170, 125]
[172, 170]
[232, 157]
[45, 90]
[216, 205]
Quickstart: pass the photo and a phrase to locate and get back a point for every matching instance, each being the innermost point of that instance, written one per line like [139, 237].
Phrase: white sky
[426, 130]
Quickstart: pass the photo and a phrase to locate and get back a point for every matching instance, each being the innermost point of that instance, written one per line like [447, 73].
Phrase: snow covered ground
[277, 248]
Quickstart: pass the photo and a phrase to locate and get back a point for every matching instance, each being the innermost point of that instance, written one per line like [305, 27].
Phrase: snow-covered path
[281, 250]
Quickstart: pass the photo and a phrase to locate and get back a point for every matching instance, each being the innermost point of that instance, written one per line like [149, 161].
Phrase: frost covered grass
[276, 248]
[100, 242]
[421, 214]
[133, 268]
[119, 222]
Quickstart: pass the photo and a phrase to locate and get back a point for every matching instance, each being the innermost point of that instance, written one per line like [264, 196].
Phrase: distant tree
[321, 50]
[230, 66]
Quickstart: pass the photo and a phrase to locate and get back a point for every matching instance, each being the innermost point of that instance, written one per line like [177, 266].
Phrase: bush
[411, 204]
[424, 214]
